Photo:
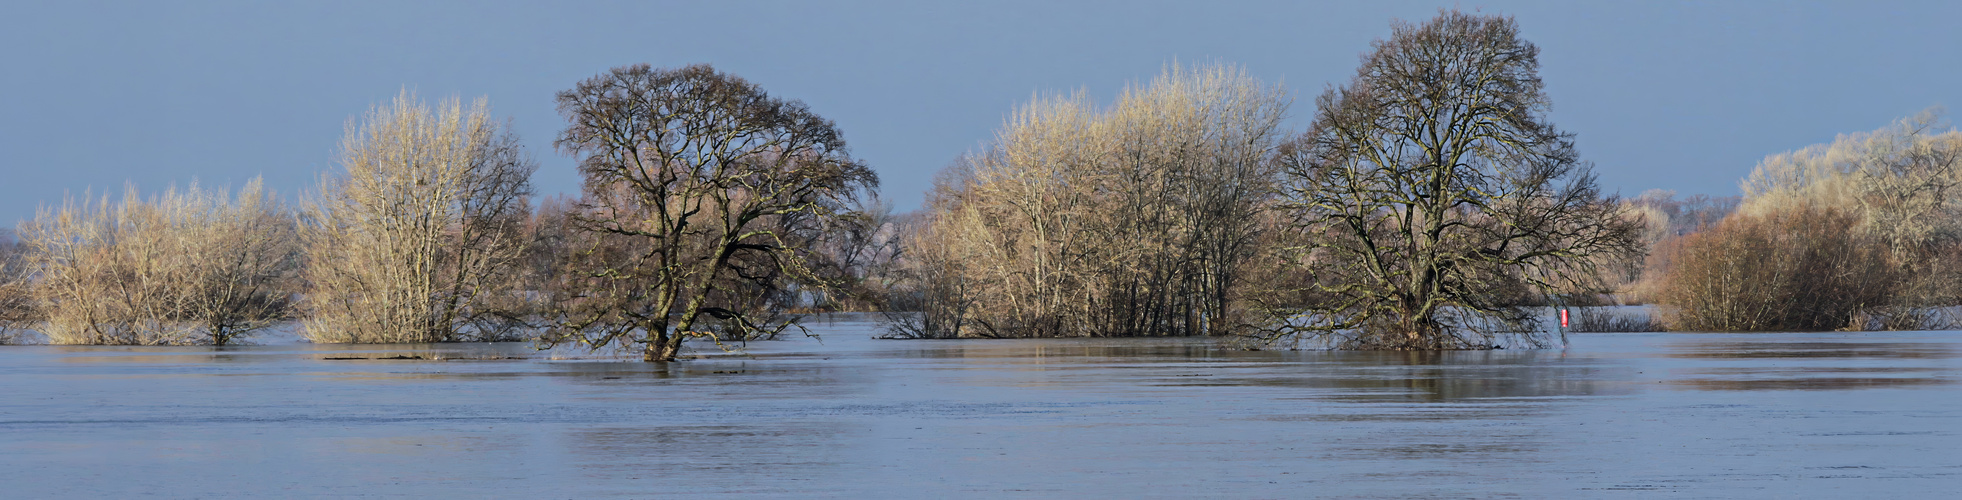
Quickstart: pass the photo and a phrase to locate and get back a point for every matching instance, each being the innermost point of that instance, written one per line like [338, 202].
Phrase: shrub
[421, 240]
[1133, 220]
[1803, 268]
[189, 267]
[1884, 256]
[17, 309]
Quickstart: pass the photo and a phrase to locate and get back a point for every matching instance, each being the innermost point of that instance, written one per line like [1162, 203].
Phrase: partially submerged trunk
[662, 348]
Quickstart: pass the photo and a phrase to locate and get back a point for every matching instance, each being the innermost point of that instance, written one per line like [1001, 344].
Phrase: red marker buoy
[1563, 318]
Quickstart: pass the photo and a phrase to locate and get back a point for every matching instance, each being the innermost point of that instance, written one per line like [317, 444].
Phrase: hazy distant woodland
[1430, 205]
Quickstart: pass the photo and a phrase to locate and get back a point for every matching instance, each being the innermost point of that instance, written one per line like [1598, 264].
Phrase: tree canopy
[702, 195]
[1432, 197]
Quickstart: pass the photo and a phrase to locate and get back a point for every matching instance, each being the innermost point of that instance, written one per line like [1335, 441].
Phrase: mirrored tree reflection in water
[1453, 376]
[720, 457]
[1774, 364]
[1432, 376]
[1716, 415]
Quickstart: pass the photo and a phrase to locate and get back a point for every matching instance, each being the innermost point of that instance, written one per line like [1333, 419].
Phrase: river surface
[1826, 415]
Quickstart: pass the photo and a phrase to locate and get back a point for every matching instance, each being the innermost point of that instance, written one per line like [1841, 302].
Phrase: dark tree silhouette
[702, 198]
[1433, 197]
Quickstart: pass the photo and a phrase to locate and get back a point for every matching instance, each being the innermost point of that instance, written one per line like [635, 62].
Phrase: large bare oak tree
[702, 197]
[1432, 197]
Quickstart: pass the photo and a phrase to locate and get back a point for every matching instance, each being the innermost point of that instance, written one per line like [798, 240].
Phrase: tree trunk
[664, 350]
[660, 345]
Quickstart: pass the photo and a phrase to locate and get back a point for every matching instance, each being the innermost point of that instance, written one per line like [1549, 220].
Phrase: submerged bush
[1138, 219]
[17, 309]
[421, 239]
[193, 266]
[1887, 254]
[1802, 269]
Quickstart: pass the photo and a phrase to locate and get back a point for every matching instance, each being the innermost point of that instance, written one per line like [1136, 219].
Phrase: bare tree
[245, 257]
[703, 198]
[1892, 260]
[1798, 268]
[859, 251]
[1900, 181]
[1135, 220]
[1669, 216]
[190, 266]
[17, 310]
[421, 238]
[101, 275]
[1667, 221]
[1434, 197]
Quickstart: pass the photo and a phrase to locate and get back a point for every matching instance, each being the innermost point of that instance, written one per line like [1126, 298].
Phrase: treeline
[1407, 219]
[708, 207]
[1862, 233]
[189, 266]
[1429, 205]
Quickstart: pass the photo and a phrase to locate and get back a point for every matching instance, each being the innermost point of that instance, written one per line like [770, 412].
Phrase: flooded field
[1614, 415]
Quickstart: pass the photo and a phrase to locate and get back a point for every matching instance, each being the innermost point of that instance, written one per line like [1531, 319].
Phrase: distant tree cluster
[1667, 223]
[191, 266]
[1865, 232]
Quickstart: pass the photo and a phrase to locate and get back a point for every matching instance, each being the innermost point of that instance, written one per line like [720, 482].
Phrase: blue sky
[1684, 96]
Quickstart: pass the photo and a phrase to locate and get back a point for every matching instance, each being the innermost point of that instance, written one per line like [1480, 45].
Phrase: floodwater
[1831, 415]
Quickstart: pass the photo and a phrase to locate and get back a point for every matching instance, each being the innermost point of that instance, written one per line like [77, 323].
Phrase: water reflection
[1806, 383]
[1691, 415]
[724, 459]
[1431, 450]
[1772, 362]
[289, 352]
[1773, 348]
[1072, 350]
[1199, 363]
[1443, 376]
